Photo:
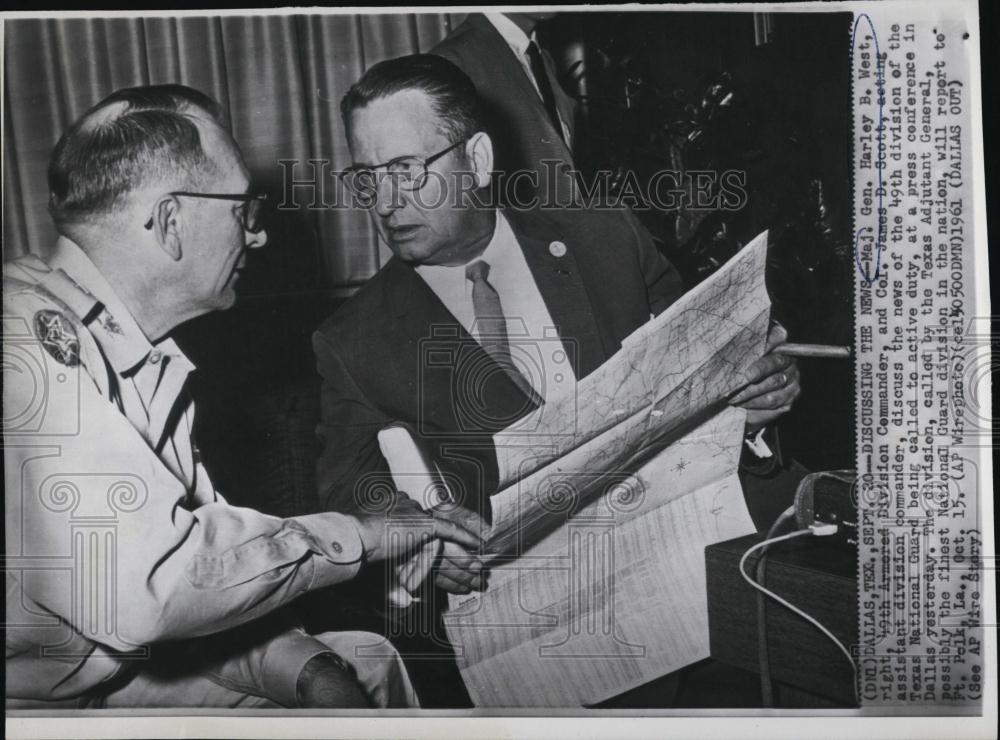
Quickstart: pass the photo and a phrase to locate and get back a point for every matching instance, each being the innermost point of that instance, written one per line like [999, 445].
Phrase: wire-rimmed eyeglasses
[407, 172]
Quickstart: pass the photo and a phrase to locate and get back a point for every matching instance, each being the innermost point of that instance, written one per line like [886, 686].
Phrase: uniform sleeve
[103, 535]
[351, 473]
[264, 658]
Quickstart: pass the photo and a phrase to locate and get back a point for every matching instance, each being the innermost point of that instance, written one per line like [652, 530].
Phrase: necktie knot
[491, 326]
[477, 271]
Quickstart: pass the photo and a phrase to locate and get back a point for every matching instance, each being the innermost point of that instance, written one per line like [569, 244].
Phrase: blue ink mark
[863, 269]
[880, 130]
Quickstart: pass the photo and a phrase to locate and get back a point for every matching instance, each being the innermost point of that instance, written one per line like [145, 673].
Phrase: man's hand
[774, 384]
[458, 570]
[408, 527]
[327, 682]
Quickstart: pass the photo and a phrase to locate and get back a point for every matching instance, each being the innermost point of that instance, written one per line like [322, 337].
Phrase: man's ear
[166, 225]
[479, 150]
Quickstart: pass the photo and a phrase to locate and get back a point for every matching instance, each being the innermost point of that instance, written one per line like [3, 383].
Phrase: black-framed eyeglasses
[408, 173]
[250, 211]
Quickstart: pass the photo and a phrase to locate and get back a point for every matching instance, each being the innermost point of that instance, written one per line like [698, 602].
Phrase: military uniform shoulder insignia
[104, 319]
[107, 321]
[58, 336]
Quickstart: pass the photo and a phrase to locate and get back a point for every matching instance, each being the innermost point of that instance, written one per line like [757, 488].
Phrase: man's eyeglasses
[250, 211]
[408, 173]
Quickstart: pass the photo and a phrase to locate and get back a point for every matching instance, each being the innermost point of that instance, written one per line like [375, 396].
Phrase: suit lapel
[513, 73]
[564, 103]
[429, 334]
[516, 75]
[561, 284]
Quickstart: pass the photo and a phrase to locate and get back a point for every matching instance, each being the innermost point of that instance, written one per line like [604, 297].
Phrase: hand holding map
[607, 505]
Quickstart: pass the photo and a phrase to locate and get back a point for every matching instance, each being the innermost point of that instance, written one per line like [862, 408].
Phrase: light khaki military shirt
[115, 538]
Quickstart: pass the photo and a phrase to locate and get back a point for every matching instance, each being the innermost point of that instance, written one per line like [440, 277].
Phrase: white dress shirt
[535, 346]
[518, 42]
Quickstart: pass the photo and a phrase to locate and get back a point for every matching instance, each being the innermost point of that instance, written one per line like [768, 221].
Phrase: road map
[607, 502]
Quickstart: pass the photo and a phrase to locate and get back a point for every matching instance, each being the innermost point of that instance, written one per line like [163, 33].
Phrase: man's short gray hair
[133, 136]
[453, 95]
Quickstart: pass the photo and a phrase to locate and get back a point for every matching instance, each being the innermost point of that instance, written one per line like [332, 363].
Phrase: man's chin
[411, 250]
[226, 300]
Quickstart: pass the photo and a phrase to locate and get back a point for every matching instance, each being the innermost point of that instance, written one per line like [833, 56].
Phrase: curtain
[278, 77]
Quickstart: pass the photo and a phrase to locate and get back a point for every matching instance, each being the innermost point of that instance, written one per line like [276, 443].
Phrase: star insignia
[681, 464]
[58, 336]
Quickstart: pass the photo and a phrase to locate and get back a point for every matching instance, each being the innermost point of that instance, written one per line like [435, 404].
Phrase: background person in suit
[531, 119]
[432, 339]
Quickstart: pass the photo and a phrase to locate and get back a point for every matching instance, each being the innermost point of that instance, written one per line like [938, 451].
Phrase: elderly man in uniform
[130, 581]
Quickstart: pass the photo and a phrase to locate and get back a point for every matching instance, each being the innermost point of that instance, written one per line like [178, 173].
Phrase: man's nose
[387, 195]
[256, 240]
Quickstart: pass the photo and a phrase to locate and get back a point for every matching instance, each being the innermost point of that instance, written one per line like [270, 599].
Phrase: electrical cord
[763, 657]
[819, 530]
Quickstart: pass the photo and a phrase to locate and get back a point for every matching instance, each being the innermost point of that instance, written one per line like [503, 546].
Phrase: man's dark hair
[133, 135]
[452, 94]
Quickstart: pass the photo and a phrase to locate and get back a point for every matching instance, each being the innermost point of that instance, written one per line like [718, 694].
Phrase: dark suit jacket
[522, 132]
[393, 353]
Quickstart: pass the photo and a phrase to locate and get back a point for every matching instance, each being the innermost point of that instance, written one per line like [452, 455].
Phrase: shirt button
[154, 356]
[557, 249]
[336, 547]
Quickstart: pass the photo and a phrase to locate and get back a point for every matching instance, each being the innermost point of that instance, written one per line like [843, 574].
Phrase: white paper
[597, 543]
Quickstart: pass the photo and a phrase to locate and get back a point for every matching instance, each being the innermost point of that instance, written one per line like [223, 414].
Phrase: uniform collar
[116, 330]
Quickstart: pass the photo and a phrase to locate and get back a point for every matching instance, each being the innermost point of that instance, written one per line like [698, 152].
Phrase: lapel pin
[557, 249]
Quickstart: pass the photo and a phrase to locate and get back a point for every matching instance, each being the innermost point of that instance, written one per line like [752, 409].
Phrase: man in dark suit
[532, 120]
[410, 346]
[435, 339]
